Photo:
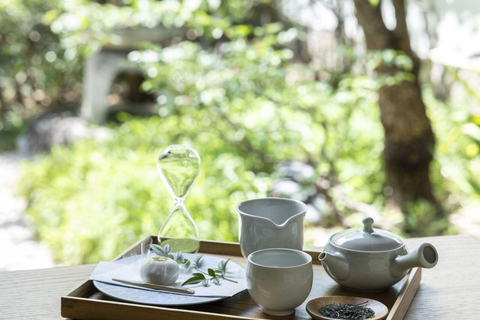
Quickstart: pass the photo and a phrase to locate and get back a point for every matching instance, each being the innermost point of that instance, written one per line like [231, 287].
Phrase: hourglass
[179, 167]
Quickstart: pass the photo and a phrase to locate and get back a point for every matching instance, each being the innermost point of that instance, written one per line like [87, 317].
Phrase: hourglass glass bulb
[179, 231]
[179, 167]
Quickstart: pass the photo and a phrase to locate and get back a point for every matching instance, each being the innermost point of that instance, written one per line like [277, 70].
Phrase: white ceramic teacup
[279, 280]
[271, 223]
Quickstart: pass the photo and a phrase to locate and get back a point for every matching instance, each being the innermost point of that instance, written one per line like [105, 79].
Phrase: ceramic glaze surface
[358, 239]
[270, 223]
[363, 271]
[279, 280]
[372, 260]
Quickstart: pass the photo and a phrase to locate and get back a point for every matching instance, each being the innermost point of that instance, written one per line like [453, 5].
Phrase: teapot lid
[367, 238]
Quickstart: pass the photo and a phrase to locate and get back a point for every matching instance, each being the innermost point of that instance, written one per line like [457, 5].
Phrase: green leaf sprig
[212, 275]
[165, 252]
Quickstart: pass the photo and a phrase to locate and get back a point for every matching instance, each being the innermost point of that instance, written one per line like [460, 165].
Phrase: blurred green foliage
[36, 71]
[236, 92]
[243, 118]
[92, 200]
[43, 45]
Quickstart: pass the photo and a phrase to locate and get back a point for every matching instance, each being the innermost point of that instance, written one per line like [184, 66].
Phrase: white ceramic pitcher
[271, 223]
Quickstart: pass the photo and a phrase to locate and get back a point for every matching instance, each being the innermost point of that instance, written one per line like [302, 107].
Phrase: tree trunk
[409, 139]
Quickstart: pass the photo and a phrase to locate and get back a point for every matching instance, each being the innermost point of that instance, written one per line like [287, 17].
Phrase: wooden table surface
[451, 290]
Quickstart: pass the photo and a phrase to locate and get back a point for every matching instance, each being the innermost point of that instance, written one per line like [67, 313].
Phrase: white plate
[156, 297]
[151, 297]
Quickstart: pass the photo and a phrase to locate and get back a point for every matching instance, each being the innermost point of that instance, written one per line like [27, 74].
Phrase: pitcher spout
[335, 264]
[425, 256]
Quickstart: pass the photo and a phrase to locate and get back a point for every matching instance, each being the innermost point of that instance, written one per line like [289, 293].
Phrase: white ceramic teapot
[367, 259]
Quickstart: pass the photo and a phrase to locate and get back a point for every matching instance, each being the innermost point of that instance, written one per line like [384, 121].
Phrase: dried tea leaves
[347, 311]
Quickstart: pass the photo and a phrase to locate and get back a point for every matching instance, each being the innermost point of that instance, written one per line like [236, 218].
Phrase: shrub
[91, 200]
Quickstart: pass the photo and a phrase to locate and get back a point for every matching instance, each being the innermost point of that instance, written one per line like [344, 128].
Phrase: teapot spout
[425, 256]
[335, 264]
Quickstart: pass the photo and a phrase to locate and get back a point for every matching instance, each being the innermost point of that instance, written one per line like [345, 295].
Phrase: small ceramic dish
[314, 305]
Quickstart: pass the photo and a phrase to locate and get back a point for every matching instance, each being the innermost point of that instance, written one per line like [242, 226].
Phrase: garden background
[358, 108]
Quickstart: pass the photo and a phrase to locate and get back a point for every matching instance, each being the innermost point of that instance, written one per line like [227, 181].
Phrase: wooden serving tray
[86, 302]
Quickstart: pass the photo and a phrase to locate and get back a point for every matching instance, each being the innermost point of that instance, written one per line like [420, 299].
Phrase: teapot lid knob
[367, 224]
